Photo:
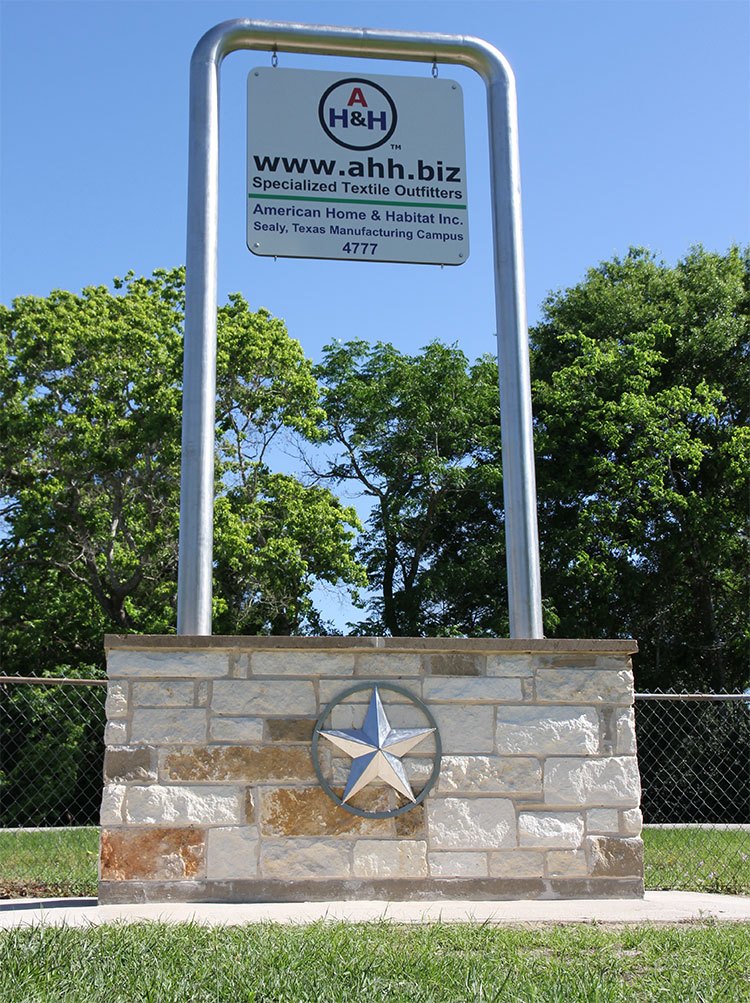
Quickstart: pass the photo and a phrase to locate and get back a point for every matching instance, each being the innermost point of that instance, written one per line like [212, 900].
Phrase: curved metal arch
[199, 382]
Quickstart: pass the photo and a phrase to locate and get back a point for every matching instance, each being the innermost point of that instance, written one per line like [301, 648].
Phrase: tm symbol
[395, 146]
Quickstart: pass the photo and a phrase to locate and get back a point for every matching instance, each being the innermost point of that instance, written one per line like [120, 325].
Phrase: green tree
[90, 387]
[641, 392]
[418, 436]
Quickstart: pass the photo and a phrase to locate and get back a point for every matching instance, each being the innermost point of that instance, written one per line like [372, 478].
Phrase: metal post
[199, 387]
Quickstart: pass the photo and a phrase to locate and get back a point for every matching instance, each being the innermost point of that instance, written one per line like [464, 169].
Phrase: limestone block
[465, 729]
[603, 820]
[116, 733]
[471, 824]
[238, 764]
[567, 864]
[232, 853]
[625, 732]
[116, 704]
[391, 663]
[163, 854]
[555, 830]
[458, 864]
[126, 763]
[489, 774]
[411, 824]
[201, 693]
[510, 665]
[251, 697]
[613, 781]
[169, 693]
[113, 802]
[615, 858]
[301, 663]
[632, 822]
[569, 685]
[545, 731]
[454, 664]
[309, 811]
[516, 864]
[385, 858]
[403, 715]
[175, 664]
[468, 689]
[305, 858]
[159, 805]
[236, 729]
[168, 725]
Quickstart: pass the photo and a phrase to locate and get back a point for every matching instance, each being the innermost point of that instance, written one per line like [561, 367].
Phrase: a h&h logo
[357, 114]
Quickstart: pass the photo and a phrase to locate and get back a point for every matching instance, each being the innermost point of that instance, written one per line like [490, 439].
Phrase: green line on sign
[312, 198]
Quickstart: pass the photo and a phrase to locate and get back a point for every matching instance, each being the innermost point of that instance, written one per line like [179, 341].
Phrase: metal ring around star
[435, 766]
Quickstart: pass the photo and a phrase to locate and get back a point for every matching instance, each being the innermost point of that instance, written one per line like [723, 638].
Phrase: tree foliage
[89, 473]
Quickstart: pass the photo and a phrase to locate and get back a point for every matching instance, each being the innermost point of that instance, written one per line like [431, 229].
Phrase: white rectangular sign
[370, 168]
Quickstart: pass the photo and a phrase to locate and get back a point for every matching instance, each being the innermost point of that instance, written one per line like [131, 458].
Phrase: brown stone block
[616, 858]
[138, 763]
[454, 664]
[412, 824]
[308, 811]
[249, 806]
[153, 854]
[239, 763]
[291, 729]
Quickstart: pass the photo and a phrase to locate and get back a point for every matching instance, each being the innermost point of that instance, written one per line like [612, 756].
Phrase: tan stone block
[162, 664]
[331, 689]
[130, 763]
[385, 858]
[168, 725]
[292, 729]
[261, 697]
[237, 763]
[458, 864]
[612, 782]
[412, 824]
[632, 822]
[387, 663]
[616, 858]
[238, 730]
[113, 803]
[454, 664]
[116, 733]
[465, 729]
[544, 731]
[305, 858]
[510, 665]
[494, 774]
[308, 811]
[232, 853]
[625, 732]
[162, 854]
[471, 824]
[301, 663]
[472, 690]
[554, 830]
[603, 820]
[579, 686]
[165, 693]
[159, 805]
[516, 864]
[116, 704]
[567, 864]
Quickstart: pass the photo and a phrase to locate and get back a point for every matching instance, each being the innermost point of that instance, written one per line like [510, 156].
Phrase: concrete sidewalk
[656, 907]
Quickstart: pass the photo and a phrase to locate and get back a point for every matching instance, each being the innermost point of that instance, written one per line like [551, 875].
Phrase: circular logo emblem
[358, 114]
[355, 746]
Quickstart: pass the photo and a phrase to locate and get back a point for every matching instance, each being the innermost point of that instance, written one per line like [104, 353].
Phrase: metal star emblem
[376, 750]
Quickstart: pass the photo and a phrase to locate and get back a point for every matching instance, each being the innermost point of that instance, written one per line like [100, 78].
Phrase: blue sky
[633, 123]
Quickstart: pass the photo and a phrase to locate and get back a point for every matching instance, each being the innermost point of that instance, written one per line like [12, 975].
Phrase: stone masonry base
[211, 795]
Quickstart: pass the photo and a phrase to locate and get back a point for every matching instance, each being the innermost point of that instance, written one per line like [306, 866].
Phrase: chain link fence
[693, 752]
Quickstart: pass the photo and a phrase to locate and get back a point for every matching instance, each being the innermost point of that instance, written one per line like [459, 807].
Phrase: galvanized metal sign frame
[199, 382]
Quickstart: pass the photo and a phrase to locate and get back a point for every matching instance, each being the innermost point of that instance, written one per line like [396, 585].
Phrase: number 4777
[357, 247]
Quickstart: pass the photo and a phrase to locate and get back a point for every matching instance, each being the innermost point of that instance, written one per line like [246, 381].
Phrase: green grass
[333, 963]
[697, 860]
[48, 862]
[64, 862]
